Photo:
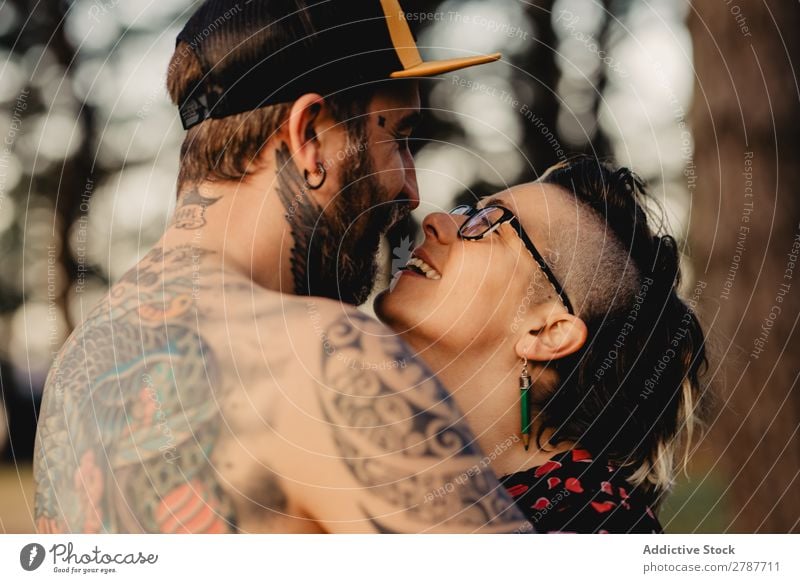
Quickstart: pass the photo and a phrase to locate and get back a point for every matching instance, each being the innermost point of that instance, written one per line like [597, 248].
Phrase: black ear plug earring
[320, 170]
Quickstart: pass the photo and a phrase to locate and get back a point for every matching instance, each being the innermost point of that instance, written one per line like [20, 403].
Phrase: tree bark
[745, 242]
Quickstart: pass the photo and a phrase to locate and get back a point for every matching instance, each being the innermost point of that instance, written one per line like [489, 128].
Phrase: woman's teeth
[423, 267]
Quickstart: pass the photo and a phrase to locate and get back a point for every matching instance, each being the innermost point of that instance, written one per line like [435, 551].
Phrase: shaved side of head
[591, 262]
[633, 391]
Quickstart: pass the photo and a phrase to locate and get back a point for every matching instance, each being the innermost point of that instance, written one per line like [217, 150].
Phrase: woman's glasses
[482, 222]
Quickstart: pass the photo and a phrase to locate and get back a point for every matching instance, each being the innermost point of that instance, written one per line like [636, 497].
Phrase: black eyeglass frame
[509, 217]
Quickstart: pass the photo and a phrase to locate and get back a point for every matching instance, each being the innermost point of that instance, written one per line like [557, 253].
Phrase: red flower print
[581, 455]
[517, 490]
[606, 487]
[546, 468]
[573, 485]
[602, 507]
[541, 503]
[553, 482]
[622, 493]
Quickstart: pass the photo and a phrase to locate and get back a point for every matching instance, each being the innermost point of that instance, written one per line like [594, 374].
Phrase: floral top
[572, 492]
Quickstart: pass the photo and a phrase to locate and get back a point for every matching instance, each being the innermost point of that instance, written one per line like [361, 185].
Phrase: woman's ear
[303, 132]
[561, 335]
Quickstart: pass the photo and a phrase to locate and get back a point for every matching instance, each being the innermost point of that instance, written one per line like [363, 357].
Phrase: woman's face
[475, 293]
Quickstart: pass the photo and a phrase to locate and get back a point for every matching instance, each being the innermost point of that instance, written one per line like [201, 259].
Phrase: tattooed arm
[394, 454]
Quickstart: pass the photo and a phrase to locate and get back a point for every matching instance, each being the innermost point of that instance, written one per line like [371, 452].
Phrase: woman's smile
[416, 265]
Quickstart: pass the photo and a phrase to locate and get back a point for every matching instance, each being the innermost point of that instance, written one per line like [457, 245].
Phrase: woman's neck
[486, 390]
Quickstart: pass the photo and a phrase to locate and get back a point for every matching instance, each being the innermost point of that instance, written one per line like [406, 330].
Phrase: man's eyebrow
[409, 122]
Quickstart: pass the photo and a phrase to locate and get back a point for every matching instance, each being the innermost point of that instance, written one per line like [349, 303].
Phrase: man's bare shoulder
[300, 325]
[130, 417]
[178, 362]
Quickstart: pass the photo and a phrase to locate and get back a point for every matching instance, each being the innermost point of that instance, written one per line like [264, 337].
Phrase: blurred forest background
[700, 98]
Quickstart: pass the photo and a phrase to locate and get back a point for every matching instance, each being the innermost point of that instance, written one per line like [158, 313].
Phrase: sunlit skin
[472, 326]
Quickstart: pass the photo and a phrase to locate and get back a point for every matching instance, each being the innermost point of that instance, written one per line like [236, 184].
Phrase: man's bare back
[192, 400]
[210, 392]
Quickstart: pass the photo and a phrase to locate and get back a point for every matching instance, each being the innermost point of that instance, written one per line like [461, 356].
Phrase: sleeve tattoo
[403, 439]
[129, 419]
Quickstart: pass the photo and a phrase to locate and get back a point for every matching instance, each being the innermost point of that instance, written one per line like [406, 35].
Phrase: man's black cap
[255, 53]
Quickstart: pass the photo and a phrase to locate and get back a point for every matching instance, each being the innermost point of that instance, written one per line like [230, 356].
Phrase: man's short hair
[228, 148]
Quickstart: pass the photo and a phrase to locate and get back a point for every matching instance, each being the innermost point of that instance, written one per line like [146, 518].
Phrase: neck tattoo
[191, 213]
[302, 213]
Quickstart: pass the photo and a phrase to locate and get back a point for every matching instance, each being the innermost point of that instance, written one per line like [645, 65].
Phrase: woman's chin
[394, 308]
[379, 304]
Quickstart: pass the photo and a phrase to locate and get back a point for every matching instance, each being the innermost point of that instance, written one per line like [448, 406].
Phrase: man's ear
[304, 126]
[561, 334]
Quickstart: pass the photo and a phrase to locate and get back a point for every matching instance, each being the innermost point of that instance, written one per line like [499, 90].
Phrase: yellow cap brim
[431, 68]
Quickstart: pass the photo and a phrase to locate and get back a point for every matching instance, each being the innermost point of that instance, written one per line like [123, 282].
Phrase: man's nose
[410, 191]
[442, 227]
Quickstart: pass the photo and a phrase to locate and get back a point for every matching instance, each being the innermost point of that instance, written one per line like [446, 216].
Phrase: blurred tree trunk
[542, 73]
[72, 184]
[539, 70]
[599, 145]
[745, 233]
[64, 184]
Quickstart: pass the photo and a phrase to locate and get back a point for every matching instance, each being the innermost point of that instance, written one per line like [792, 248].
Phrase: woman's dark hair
[633, 392]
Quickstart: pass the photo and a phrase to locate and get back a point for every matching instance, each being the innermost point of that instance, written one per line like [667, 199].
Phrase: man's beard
[341, 259]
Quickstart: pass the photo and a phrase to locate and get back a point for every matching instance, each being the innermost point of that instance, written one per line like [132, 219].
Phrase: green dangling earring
[525, 386]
